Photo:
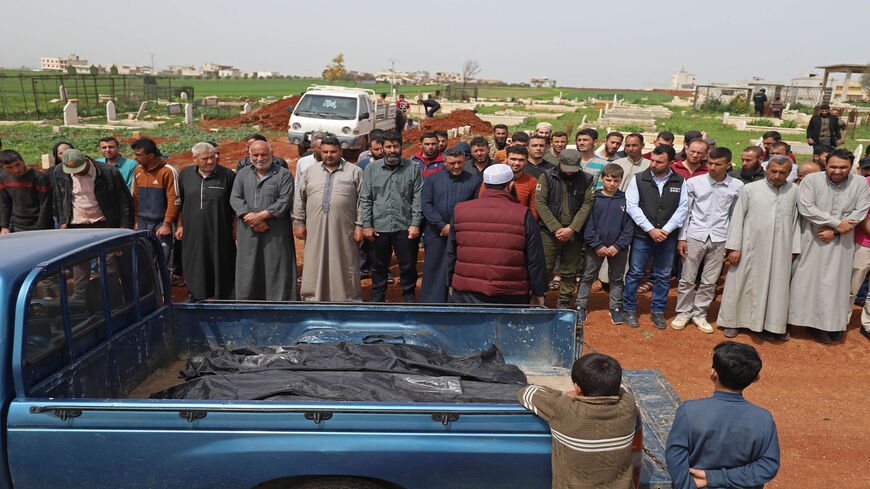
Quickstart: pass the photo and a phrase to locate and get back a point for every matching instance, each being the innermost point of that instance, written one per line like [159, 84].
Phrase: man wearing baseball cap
[91, 194]
[563, 199]
[494, 251]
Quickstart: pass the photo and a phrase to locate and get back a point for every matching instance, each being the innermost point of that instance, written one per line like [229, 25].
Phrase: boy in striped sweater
[597, 431]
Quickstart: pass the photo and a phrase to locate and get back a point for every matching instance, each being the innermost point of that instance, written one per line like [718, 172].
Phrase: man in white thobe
[763, 236]
[830, 204]
[327, 216]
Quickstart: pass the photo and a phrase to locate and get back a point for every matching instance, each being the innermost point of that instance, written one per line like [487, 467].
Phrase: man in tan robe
[831, 203]
[763, 235]
[326, 215]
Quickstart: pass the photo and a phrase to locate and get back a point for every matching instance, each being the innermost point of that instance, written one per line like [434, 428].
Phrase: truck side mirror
[290, 109]
[364, 116]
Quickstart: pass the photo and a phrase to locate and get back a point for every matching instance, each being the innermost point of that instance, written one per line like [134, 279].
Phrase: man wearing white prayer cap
[494, 250]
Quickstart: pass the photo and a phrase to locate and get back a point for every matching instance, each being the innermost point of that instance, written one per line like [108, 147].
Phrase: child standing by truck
[607, 234]
[596, 428]
[724, 440]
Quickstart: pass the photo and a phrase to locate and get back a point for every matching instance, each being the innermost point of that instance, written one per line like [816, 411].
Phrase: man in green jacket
[563, 198]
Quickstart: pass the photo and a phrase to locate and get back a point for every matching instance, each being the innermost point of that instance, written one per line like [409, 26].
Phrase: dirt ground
[818, 394]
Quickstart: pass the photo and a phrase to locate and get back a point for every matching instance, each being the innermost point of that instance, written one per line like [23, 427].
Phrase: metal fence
[36, 97]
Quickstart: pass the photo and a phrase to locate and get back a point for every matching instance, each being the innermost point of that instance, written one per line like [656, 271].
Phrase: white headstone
[787, 106]
[63, 93]
[183, 95]
[141, 110]
[859, 152]
[741, 125]
[134, 97]
[467, 129]
[614, 99]
[46, 161]
[725, 118]
[600, 113]
[111, 115]
[676, 100]
[583, 121]
[70, 113]
[246, 109]
[188, 114]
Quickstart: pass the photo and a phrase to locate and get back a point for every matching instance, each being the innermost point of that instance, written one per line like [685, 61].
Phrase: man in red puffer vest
[494, 250]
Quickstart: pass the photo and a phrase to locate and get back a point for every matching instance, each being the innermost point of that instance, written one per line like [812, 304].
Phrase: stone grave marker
[188, 114]
[71, 113]
[141, 111]
[111, 115]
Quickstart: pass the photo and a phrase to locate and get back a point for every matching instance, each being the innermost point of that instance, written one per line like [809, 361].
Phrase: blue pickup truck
[89, 333]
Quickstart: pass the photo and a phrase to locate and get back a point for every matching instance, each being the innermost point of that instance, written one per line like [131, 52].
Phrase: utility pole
[393, 76]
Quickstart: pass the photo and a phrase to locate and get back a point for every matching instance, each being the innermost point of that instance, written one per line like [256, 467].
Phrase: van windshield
[326, 107]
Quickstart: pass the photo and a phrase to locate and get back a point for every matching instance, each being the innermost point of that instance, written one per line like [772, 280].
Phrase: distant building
[682, 80]
[267, 74]
[542, 83]
[61, 64]
[855, 92]
[229, 73]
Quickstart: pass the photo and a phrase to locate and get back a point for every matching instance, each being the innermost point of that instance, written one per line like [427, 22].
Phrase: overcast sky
[603, 44]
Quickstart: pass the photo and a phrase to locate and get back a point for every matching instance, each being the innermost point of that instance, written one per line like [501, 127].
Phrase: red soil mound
[273, 116]
[452, 120]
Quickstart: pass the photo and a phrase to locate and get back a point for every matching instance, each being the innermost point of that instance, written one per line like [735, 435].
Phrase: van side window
[45, 322]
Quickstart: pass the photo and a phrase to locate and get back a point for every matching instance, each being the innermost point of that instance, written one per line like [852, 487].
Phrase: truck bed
[160, 379]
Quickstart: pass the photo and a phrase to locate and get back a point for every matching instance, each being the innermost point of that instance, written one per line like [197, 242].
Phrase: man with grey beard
[262, 198]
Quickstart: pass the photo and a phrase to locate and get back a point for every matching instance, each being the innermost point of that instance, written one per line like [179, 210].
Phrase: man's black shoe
[631, 319]
[821, 336]
[865, 333]
[658, 320]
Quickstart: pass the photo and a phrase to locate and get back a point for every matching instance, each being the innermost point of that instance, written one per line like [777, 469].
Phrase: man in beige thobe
[763, 236]
[326, 215]
[831, 203]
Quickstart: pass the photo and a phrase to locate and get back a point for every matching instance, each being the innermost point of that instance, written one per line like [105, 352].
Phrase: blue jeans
[660, 272]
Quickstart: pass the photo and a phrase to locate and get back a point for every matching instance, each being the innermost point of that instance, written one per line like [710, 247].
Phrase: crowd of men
[501, 220]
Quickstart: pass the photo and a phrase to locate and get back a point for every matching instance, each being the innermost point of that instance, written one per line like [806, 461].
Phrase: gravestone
[71, 113]
[63, 93]
[600, 113]
[183, 95]
[111, 115]
[46, 161]
[584, 120]
[141, 111]
[188, 114]
[134, 97]
[725, 118]
[246, 109]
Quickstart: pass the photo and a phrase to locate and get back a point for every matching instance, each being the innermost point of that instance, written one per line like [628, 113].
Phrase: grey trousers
[616, 270]
[694, 303]
[860, 268]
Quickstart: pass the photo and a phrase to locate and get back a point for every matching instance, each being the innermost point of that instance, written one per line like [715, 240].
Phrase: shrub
[789, 124]
[760, 122]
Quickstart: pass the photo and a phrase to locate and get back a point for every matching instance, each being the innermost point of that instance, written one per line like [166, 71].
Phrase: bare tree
[470, 69]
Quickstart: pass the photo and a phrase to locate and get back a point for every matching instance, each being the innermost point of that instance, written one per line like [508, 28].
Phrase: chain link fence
[37, 97]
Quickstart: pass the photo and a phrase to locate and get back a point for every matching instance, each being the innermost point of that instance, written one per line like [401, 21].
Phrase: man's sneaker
[702, 325]
[581, 315]
[617, 317]
[820, 336]
[730, 332]
[865, 333]
[680, 321]
[658, 320]
[631, 319]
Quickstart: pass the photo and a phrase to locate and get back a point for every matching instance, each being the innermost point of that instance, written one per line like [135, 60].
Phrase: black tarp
[383, 372]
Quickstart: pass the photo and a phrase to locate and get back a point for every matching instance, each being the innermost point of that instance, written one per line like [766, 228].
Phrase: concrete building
[61, 64]
[682, 80]
[543, 82]
[267, 74]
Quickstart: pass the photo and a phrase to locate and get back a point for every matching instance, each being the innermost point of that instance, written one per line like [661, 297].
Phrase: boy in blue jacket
[724, 440]
[608, 233]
